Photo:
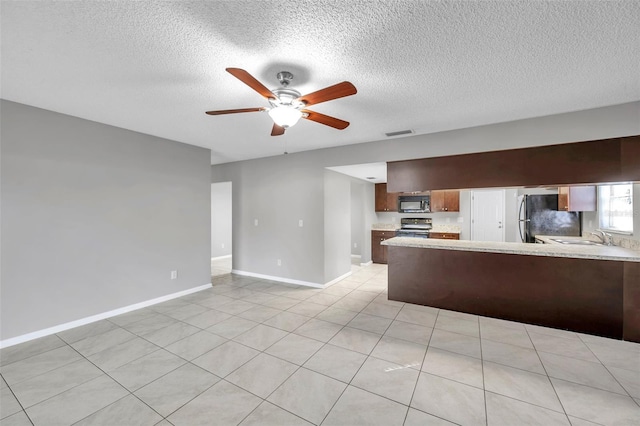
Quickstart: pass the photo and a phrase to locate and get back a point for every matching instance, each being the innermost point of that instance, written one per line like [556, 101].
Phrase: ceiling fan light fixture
[285, 115]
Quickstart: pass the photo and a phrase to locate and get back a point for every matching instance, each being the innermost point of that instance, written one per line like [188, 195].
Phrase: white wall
[337, 224]
[357, 216]
[221, 219]
[265, 187]
[94, 218]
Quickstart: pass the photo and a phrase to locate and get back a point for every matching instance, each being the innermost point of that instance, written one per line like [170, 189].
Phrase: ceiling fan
[287, 105]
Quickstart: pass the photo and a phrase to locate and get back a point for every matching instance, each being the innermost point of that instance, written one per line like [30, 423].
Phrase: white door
[487, 215]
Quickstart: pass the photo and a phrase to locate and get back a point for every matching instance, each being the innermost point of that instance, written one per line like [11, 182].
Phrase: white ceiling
[370, 172]
[156, 67]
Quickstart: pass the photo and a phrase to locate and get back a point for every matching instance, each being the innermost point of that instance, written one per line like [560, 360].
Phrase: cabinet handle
[446, 209]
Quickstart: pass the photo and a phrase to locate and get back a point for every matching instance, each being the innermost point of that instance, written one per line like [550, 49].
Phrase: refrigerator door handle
[521, 218]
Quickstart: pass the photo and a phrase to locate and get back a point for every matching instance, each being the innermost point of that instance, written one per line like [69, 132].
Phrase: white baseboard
[367, 263]
[340, 278]
[289, 280]
[355, 255]
[274, 278]
[227, 256]
[77, 323]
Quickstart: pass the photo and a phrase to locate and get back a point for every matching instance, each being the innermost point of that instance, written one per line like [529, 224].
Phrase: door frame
[503, 195]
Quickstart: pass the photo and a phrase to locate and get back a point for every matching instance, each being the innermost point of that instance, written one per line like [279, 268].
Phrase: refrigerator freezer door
[545, 219]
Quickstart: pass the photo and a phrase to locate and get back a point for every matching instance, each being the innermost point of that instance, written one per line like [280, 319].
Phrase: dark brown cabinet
[445, 201]
[378, 251]
[607, 160]
[445, 235]
[385, 201]
[577, 198]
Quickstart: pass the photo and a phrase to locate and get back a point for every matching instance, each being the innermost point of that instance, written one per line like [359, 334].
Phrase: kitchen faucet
[604, 236]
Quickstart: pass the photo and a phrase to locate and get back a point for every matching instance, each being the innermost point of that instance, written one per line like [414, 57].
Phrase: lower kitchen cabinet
[378, 251]
[445, 235]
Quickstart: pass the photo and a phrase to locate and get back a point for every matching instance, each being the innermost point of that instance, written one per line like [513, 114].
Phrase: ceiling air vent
[399, 132]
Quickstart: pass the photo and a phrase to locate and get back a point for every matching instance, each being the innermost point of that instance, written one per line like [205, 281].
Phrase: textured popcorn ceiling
[156, 67]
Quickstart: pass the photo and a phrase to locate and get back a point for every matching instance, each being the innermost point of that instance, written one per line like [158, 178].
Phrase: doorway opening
[221, 228]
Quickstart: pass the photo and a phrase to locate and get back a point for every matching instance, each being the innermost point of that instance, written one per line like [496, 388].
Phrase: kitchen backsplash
[625, 242]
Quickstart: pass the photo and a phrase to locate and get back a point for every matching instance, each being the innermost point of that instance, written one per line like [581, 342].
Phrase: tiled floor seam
[420, 372]
[484, 389]
[125, 388]
[612, 375]
[354, 375]
[548, 377]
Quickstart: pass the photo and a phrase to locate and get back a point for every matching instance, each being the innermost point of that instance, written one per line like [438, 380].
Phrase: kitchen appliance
[414, 204]
[417, 227]
[539, 215]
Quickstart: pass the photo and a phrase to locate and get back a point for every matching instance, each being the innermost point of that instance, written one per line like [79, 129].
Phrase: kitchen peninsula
[588, 289]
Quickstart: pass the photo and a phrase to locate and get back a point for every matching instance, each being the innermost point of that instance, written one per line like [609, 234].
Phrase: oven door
[413, 233]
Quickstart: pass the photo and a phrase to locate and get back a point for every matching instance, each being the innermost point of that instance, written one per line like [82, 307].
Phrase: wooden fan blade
[250, 81]
[233, 111]
[336, 123]
[277, 130]
[336, 91]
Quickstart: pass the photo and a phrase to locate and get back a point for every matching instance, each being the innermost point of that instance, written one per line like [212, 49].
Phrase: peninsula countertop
[553, 250]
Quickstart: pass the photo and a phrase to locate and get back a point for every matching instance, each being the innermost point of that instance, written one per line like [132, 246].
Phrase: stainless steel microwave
[414, 204]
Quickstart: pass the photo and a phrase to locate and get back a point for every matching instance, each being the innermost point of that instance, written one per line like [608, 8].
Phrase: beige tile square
[262, 375]
[308, 394]
[449, 400]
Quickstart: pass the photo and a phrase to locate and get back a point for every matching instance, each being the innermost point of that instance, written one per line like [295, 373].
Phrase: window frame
[601, 210]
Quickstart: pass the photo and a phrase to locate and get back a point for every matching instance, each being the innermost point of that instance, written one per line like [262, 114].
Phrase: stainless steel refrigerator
[539, 215]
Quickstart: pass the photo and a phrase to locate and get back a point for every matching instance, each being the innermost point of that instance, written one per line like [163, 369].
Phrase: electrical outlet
[255, 222]
[222, 245]
[174, 275]
[355, 245]
[279, 262]
[300, 223]
[460, 219]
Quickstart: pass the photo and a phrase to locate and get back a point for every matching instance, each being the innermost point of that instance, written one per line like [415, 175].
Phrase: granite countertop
[447, 229]
[553, 250]
[385, 227]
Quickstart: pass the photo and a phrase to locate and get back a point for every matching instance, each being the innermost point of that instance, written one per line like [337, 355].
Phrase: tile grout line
[484, 387]
[548, 378]
[415, 386]
[356, 373]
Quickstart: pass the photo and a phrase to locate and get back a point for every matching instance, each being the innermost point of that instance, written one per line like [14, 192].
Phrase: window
[615, 207]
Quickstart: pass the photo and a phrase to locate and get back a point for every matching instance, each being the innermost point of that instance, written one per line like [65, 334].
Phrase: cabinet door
[437, 201]
[452, 201]
[378, 251]
[392, 201]
[381, 197]
[577, 198]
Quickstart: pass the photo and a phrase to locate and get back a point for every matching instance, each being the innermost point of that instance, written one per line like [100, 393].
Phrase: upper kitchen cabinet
[385, 201]
[445, 201]
[577, 198]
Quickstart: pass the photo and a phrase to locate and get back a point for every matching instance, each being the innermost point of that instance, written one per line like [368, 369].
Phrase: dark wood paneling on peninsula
[609, 160]
[582, 295]
[632, 302]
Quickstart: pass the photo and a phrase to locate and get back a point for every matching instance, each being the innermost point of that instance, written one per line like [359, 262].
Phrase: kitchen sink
[576, 242]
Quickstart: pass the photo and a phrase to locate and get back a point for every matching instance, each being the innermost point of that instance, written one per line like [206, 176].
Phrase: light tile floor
[256, 352]
[220, 266]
